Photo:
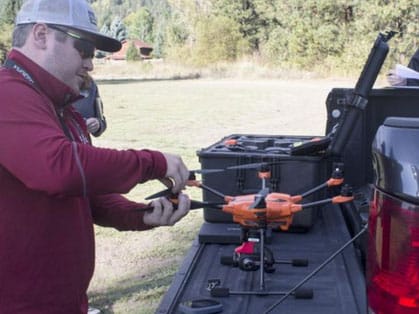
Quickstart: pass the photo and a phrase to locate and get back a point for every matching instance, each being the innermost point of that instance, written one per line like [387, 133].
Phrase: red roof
[143, 48]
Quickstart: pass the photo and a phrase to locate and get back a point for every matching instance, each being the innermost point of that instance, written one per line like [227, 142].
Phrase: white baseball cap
[75, 14]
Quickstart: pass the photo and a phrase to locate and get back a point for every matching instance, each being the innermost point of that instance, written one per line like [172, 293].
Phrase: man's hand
[92, 125]
[394, 79]
[177, 174]
[163, 213]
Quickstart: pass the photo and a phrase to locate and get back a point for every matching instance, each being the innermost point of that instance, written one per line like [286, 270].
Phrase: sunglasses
[85, 47]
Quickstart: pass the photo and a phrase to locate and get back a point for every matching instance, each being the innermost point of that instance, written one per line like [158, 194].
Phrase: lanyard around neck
[11, 64]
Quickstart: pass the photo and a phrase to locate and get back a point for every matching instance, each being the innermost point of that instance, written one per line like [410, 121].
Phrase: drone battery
[289, 174]
[382, 103]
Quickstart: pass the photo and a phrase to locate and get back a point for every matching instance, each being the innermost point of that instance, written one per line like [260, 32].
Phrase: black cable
[320, 267]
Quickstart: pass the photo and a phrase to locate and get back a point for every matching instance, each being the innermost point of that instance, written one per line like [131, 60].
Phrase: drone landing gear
[253, 255]
[247, 256]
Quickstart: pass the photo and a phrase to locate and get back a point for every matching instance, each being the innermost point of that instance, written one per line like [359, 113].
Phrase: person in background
[91, 108]
[55, 185]
[395, 80]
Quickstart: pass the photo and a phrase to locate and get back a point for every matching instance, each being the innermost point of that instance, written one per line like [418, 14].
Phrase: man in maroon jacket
[53, 184]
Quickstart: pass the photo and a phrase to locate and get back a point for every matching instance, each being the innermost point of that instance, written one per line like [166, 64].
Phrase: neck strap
[10, 64]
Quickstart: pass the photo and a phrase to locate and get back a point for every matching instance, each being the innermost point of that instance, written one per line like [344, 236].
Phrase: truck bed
[338, 288]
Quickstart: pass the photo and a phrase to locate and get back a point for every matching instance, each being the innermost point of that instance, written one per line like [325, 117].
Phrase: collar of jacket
[59, 93]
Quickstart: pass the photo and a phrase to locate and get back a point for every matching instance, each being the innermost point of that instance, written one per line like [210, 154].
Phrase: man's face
[70, 59]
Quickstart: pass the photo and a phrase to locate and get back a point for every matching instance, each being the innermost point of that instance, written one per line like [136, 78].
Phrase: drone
[258, 214]
[265, 209]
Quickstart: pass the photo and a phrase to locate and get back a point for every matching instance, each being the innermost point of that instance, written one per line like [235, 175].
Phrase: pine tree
[8, 10]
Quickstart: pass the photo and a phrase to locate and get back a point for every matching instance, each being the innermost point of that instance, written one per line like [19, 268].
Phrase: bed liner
[337, 288]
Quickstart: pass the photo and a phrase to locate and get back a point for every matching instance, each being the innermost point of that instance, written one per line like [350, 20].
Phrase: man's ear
[40, 35]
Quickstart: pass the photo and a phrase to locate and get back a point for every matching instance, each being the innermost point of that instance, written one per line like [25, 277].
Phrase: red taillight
[393, 256]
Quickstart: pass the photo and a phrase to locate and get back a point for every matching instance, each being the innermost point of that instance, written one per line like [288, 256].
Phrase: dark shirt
[91, 106]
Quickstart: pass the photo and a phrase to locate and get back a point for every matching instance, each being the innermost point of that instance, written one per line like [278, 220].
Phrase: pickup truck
[334, 257]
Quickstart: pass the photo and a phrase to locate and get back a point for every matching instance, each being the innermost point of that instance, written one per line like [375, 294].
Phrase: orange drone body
[279, 210]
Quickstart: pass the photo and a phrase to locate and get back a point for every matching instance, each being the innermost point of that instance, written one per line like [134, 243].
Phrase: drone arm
[341, 199]
[334, 182]
[334, 200]
[312, 204]
[314, 190]
[331, 182]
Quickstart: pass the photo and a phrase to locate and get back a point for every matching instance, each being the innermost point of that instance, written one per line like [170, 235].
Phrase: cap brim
[102, 42]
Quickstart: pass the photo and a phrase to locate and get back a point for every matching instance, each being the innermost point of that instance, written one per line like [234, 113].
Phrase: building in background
[143, 48]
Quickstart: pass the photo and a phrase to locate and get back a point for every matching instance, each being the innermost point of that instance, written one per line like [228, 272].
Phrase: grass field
[134, 269]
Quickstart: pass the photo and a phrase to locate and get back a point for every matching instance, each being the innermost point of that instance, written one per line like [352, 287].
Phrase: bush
[217, 39]
[132, 53]
[5, 40]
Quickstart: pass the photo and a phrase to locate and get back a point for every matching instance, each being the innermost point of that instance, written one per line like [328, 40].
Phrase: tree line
[303, 34]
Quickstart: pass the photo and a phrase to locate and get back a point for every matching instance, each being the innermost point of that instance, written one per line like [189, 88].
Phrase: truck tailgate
[338, 288]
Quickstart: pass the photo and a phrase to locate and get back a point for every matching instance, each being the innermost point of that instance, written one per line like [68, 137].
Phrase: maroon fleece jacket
[52, 189]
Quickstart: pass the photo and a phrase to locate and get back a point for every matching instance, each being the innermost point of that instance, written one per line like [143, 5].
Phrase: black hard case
[289, 174]
[382, 103]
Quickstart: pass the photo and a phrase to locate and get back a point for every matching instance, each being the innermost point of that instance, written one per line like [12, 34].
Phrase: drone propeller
[257, 165]
[194, 205]
[191, 182]
[203, 171]
[166, 192]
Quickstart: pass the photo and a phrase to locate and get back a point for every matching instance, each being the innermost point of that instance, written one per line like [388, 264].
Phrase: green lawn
[134, 269]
